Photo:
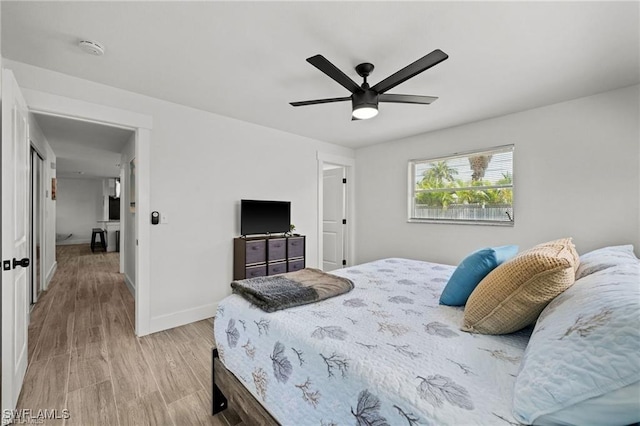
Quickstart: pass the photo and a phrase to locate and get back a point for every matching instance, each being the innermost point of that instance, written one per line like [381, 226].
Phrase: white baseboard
[50, 274]
[73, 241]
[176, 319]
[130, 285]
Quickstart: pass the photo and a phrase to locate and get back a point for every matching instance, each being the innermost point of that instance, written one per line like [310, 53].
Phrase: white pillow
[585, 345]
[603, 258]
[599, 410]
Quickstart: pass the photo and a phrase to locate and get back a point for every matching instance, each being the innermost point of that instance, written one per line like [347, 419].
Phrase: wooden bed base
[248, 408]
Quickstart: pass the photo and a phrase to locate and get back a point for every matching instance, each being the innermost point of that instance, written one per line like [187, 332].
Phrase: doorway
[335, 211]
[36, 210]
[90, 160]
[141, 125]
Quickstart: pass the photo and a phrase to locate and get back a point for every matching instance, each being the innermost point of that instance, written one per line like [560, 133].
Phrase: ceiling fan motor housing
[364, 98]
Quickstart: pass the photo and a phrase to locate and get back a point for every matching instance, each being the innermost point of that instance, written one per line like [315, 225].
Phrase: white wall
[127, 218]
[575, 174]
[202, 164]
[44, 149]
[78, 209]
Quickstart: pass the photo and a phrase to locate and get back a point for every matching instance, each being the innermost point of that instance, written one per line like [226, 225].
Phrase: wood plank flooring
[84, 355]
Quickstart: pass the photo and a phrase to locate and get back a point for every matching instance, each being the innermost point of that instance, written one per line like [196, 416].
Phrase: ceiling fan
[364, 99]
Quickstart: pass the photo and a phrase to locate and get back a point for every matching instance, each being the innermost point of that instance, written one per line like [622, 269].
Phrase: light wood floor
[85, 357]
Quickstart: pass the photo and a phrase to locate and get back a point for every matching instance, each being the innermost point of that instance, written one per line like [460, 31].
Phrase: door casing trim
[60, 106]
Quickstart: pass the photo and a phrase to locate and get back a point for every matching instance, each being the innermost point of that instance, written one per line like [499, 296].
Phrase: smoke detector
[91, 47]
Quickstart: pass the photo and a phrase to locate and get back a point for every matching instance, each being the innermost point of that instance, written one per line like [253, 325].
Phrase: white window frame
[486, 151]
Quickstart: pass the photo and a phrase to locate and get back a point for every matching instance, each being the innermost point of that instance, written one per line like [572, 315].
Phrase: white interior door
[15, 291]
[333, 214]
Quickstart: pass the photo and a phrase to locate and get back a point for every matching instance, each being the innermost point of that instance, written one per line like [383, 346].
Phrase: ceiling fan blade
[320, 101]
[406, 99]
[334, 72]
[411, 70]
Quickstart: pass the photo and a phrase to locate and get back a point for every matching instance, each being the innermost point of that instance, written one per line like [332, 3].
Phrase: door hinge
[344, 180]
[344, 221]
[344, 262]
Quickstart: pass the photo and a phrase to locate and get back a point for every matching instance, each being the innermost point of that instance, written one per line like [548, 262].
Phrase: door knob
[22, 262]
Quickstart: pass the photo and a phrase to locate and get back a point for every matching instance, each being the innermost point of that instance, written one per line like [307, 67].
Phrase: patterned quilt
[385, 353]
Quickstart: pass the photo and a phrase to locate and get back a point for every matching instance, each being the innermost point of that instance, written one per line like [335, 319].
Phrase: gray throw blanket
[277, 292]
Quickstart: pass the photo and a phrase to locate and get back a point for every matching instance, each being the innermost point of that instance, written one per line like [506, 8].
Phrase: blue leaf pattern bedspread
[385, 353]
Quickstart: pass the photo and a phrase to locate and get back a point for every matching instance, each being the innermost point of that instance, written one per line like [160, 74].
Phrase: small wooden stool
[103, 238]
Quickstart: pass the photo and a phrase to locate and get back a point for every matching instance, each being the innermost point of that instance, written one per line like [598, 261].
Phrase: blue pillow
[471, 271]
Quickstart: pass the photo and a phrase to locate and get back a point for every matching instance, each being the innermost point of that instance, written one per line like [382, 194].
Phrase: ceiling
[246, 60]
[84, 150]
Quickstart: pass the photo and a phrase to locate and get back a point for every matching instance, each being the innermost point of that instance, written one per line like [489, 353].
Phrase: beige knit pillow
[512, 296]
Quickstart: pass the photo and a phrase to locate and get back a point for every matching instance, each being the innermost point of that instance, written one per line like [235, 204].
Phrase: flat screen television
[264, 217]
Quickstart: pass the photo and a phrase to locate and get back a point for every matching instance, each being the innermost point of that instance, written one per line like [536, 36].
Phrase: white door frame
[46, 103]
[349, 164]
[40, 195]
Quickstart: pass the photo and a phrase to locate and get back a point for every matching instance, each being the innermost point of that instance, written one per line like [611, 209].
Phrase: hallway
[85, 357]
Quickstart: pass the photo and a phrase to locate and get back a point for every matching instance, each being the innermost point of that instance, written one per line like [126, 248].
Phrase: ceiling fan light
[364, 104]
[364, 112]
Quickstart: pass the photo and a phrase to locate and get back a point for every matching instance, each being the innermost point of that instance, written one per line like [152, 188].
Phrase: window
[473, 188]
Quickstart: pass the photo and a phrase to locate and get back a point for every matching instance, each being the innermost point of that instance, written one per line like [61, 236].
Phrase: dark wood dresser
[261, 256]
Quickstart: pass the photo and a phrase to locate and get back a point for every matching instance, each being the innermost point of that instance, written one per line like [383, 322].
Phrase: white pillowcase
[606, 257]
[585, 345]
[599, 410]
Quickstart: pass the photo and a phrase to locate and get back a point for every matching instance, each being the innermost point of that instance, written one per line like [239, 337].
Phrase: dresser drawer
[277, 268]
[277, 249]
[296, 265]
[256, 271]
[256, 251]
[296, 247]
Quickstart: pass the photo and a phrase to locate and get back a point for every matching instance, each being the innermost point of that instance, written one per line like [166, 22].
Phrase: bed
[385, 353]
